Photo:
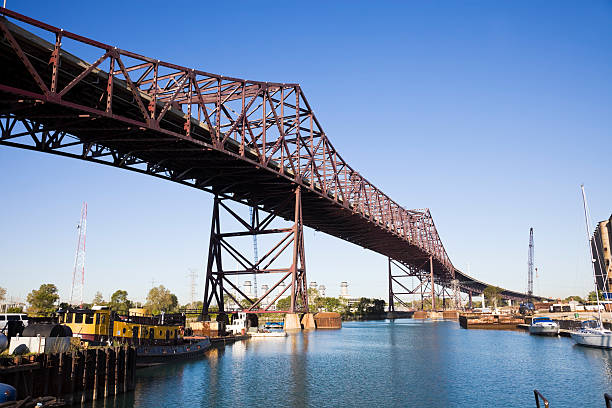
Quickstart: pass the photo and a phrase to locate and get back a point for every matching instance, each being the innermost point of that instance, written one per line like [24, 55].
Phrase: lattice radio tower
[193, 276]
[79, 258]
[530, 265]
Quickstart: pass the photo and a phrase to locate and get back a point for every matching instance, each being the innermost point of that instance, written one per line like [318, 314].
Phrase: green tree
[592, 297]
[120, 303]
[575, 298]
[493, 294]
[245, 304]
[160, 300]
[14, 309]
[284, 303]
[332, 304]
[42, 301]
[376, 306]
[98, 299]
[362, 305]
[2, 294]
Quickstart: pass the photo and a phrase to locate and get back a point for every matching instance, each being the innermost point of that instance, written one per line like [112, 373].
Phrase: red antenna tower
[79, 258]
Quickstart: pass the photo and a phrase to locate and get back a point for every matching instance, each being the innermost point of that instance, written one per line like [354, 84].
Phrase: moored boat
[158, 339]
[592, 334]
[544, 326]
[150, 355]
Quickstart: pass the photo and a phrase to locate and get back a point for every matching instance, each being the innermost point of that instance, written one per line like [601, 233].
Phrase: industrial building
[602, 255]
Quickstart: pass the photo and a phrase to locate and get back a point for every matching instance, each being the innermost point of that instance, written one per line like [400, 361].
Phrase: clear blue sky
[489, 113]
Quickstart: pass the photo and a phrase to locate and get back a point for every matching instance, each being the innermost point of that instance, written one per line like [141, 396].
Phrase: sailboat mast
[588, 231]
[530, 266]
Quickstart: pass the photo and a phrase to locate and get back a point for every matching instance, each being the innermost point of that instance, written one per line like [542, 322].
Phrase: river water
[401, 363]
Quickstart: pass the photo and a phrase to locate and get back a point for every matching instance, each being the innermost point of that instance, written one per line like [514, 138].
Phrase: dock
[490, 322]
[72, 377]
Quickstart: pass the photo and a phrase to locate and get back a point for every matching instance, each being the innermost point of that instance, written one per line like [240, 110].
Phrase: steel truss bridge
[256, 143]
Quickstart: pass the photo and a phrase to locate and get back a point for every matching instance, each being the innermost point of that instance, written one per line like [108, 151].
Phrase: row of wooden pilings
[76, 377]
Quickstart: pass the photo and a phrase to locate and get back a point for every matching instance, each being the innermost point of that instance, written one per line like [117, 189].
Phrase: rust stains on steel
[249, 141]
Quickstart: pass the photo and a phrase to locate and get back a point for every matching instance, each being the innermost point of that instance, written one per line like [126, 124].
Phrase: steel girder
[249, 141]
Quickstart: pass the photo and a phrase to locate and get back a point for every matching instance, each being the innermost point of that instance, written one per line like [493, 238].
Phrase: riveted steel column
[431, 277]
[391, 306]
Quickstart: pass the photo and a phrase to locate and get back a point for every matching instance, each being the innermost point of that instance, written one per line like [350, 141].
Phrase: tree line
[45, 301]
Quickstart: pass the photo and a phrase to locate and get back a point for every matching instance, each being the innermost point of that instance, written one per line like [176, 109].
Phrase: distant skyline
[491, 114]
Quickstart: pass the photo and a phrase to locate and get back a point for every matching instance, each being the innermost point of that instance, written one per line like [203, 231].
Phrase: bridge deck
[247, 140]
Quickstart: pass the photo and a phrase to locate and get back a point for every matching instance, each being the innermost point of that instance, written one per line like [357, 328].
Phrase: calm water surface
[399, 363]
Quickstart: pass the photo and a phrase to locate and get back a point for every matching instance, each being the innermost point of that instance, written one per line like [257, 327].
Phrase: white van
[7, 317]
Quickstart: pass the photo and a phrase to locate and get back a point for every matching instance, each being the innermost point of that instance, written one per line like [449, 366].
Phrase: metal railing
[538, 396]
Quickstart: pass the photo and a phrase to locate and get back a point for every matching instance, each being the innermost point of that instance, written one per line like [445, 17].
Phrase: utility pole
[79, 258]
[530, 266]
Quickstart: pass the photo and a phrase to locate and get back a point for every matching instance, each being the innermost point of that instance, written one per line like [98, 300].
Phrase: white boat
[592, 333]
[544, 326]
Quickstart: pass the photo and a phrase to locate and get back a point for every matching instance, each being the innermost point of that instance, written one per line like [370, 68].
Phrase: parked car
[7, 317]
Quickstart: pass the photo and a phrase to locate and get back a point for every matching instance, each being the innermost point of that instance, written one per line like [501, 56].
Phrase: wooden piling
[75, 377]
[94, 396]
[117, 359]
[60, 375]
[126, 365]
[106, 372]
[73, 368]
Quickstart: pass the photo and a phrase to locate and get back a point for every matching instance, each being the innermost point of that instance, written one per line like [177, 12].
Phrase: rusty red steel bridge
[256, 143]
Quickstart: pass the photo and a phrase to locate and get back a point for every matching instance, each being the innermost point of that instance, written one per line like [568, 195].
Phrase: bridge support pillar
[292, 322]
[391, 296]
[401, 283]
[431, 280]
[308, 322]
[220, 290]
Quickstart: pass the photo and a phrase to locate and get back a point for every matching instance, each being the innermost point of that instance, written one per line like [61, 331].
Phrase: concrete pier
[292, 322]
[308, 322]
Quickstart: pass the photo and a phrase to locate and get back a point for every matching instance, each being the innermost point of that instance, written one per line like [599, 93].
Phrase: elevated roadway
[253, 142]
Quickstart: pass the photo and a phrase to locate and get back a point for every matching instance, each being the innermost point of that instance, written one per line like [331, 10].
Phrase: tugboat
[158, 339]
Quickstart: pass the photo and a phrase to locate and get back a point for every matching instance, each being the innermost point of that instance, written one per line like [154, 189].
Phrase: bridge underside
[54, 102]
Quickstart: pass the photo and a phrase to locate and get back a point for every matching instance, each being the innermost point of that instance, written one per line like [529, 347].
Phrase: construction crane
[254, 223]
[530, 266]
[528, 308]
[79, 258]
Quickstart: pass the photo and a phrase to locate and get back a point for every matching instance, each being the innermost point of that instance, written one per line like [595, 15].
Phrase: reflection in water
[383, 363]
[298, 374]
[598, 356]
[214, 355]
